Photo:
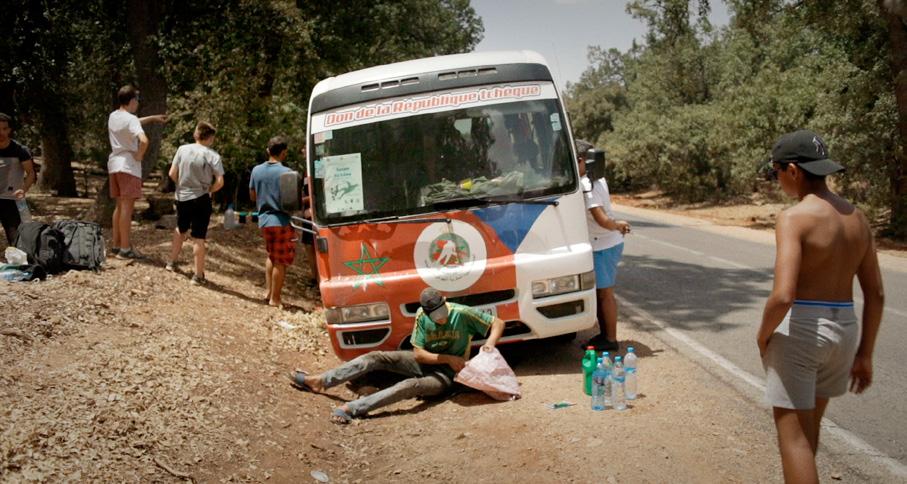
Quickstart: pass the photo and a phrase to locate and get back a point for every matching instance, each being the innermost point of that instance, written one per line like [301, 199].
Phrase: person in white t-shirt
[606, 235]
[128, 144]
[198, 173]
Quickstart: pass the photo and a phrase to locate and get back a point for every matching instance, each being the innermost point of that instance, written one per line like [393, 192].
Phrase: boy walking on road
[441, 345]
[810, 340]
[198, 173]
[606, 234]
[17, 175]
[280, 239]
[128, 144]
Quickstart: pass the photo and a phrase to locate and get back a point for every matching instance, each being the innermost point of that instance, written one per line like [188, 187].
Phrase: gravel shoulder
[133, 375]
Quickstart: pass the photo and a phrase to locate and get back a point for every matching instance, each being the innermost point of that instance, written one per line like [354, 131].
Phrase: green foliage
[698, 110]
[246, 66]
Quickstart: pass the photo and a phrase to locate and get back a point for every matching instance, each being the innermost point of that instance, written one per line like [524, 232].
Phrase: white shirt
[124, 129]
[597, 195]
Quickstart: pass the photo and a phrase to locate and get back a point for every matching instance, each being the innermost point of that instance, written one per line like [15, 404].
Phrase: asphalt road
[711, 284]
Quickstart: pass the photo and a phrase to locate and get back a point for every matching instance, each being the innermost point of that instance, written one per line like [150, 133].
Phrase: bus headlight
[357, 314]
[562, 285]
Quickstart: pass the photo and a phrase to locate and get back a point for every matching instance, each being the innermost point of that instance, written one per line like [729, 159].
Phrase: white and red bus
[455, 172]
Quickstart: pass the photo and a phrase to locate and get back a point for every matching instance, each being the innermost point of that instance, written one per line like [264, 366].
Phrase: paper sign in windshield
[343, 183]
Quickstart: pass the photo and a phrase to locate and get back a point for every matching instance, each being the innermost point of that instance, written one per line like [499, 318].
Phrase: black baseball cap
[807, 150]
[433, 303]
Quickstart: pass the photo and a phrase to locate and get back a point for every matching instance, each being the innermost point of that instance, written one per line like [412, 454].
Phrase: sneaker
[114, 251]
[198, 281]
[601, 343]
[171, 266]
[129, 253]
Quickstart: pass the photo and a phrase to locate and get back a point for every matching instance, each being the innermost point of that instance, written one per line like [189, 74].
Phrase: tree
[38, 46]
[895, 13]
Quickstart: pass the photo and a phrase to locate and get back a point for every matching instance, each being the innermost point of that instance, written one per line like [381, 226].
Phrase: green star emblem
[367, 266]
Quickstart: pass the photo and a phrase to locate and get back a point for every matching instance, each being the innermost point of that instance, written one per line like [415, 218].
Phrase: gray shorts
[810, 354]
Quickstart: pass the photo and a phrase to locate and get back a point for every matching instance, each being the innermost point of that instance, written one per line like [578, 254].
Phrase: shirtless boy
[809, 339]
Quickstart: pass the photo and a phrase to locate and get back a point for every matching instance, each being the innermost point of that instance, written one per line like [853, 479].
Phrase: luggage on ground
[84, 242]
[43, 244]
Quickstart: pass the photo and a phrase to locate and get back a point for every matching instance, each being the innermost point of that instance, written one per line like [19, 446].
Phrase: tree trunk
[56, 173]
[897, 31]
[144, 22]
[102, 210]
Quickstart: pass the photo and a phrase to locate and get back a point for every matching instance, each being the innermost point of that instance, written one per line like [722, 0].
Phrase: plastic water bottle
[24, 212]
[608, 367]
[230, 218]
[630, 373]
[619, 395]
[588, 368]
[13, 275]
[599, 378]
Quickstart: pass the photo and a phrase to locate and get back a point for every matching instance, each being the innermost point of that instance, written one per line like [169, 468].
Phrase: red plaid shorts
[280, 243]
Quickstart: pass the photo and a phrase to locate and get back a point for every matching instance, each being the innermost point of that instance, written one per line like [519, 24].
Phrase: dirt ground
[134, 375]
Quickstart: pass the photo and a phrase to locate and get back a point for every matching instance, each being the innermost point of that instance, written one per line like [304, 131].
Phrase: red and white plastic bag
[490, 373]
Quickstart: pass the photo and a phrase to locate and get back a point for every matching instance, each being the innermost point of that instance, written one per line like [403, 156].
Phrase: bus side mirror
[290, 191]
[595, 164]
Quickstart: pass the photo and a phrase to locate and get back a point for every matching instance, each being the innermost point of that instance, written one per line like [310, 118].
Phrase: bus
[456, 172]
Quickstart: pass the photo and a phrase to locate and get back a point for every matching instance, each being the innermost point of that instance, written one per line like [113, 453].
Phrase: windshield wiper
[464, 202]
[512, 199]
[467, 202]
[395, 219]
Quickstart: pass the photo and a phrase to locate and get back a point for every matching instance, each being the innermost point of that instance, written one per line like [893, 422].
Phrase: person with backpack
[17, 175]
[280, 239]
[198, 173]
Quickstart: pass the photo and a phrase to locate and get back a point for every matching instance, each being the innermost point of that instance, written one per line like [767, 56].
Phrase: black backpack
[43, 244]
[84, 243]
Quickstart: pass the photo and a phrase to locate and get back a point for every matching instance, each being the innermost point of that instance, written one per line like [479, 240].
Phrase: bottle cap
[590, 347]
[630, 349]
[617, 358]
[605, 353]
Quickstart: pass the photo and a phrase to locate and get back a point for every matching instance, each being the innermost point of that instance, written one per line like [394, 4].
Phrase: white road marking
[858, 444]
[856, 299]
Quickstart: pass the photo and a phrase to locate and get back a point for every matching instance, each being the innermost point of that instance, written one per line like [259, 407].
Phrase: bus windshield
[421, 163]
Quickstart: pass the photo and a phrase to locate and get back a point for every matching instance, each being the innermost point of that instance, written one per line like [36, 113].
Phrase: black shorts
[195, 213]
[9, 215]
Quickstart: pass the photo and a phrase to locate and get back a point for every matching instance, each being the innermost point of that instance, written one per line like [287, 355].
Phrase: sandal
[297, 380]
[338, 416]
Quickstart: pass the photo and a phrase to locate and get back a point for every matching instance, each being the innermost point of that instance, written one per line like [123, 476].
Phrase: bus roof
[430, 64]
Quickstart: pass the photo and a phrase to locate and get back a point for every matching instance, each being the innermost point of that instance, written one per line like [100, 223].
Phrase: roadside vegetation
[693, 110]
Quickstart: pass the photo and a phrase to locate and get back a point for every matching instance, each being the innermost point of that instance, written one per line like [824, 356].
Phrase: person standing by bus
[280, 238]
[606, 234]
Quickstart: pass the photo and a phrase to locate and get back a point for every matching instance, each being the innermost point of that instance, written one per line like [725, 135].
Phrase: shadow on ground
[690, 296]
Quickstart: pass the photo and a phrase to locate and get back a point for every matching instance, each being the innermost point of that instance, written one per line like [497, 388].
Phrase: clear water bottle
[607, 366]
[599, 379]
[230, 218]
[13, 275]
[24, 212]
[618, 396]
[630, 374]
